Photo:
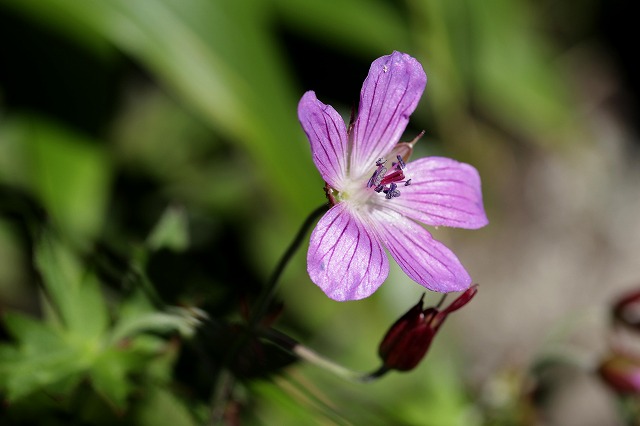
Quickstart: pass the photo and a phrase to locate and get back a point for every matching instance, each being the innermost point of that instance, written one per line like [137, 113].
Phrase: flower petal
[389, 95]
[327, 136]
[344, 258]
[443, 192]
[425, 260]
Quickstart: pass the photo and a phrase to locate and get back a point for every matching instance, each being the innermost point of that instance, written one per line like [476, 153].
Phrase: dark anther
[381, 172]
[377, 176]
[392, 192]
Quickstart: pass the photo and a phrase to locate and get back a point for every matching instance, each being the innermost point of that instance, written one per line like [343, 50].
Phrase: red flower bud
[626, 310]
[409, 338]
[621, 373]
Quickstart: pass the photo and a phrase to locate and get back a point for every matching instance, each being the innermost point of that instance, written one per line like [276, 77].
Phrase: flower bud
[626, 310]
[409, 338]
[621, 373]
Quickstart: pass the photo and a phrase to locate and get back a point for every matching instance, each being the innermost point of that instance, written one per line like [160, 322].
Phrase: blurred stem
[307, 354]
[266, 296]
[221, 396]
[630, 410]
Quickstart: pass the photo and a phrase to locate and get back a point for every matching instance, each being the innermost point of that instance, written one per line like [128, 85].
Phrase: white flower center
[383, 182]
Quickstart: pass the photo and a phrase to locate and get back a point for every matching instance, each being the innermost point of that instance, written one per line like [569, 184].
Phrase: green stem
[266, 296]
[224, 383]
[630, 410]
[287, 342]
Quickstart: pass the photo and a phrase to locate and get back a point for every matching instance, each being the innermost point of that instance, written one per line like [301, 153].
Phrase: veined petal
[344, 259]
[327, 136]
[443, 192]
[425, 260]
[389, 95]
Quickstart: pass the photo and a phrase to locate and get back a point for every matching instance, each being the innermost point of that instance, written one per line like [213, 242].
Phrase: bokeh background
[159, 140]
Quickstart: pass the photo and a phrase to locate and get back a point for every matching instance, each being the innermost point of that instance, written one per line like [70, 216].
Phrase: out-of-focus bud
[409, 338]
[621, 373]
[626, 310]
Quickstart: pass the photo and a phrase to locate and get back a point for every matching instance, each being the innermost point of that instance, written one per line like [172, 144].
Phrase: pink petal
[425, 260]
[344, 258]
[443, 192]
[389, 95]
[327, 135]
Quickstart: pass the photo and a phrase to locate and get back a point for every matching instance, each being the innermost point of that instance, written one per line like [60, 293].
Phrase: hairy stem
[303, 352]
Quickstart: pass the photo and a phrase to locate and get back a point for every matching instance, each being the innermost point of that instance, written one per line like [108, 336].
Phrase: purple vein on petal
[340, 259]
[423, 259]
[389, 95]
[443, 192]
[327, 136]
[381, 130]
[335, 166]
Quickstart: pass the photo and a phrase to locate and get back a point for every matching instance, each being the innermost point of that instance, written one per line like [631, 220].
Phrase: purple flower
[377, 200]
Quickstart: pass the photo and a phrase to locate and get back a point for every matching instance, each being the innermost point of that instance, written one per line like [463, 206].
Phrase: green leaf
[161, 407]
[42, 357]
[242, 89]
[136, 315]
[33, 335]
[69, 173]
[171, 231]
[109, 377]
[75, 293]
[181, 320]
[516, 74]
[349, 23]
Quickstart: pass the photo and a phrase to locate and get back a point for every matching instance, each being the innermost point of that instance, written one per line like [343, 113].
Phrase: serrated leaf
[42, 357]
[33, 336]
[75, 293]
[109, 377]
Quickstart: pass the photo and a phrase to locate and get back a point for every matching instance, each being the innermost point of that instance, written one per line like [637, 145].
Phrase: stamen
[377, 176]
[391, 191]
[380, 181]
[382, 171]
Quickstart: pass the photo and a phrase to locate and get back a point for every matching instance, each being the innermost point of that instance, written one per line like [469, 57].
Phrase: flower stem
[224, 382]
[303, 352]
[266, 296]
[289, 343]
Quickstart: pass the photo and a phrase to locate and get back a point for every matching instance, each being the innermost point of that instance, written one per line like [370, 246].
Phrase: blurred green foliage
[178, 174]
[78, 340]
